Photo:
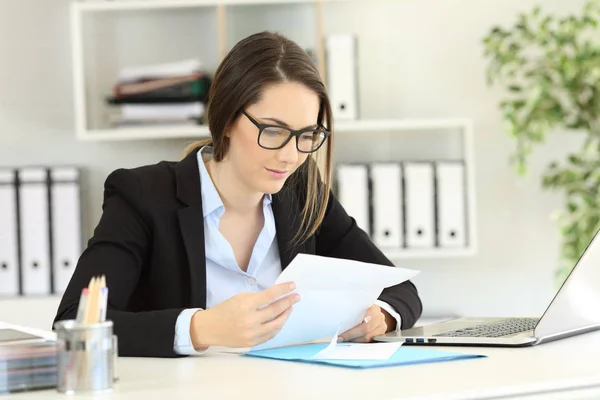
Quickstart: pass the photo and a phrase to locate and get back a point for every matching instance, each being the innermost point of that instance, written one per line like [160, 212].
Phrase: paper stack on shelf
[168, 93]
[25, 367]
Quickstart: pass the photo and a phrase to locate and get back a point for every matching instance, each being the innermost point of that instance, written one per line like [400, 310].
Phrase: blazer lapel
[287, 223]
[191, 222]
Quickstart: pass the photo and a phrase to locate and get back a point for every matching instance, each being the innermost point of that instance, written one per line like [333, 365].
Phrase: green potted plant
[549, 67]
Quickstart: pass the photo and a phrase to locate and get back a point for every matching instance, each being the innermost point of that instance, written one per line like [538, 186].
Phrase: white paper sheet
[359, 351]
[335, 294]
[329, 347]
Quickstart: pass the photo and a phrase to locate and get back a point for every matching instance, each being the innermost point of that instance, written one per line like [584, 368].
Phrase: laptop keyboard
[505, 327]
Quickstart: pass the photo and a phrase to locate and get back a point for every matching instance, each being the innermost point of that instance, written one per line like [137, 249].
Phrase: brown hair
[254, 62]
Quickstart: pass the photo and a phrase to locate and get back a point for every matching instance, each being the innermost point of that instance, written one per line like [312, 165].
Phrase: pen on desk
[82, 305]
[91, 302]
[103, 300]
[96, 311]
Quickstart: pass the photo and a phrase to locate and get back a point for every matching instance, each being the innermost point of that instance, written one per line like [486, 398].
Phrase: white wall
[419, 58]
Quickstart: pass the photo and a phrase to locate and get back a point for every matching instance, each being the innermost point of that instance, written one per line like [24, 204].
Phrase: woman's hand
[375, 323]
[243, 320]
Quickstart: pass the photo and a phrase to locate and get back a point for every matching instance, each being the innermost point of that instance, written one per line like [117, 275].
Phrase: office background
[418, 59]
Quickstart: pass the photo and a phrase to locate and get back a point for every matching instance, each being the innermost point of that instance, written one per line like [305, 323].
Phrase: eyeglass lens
[274, 137]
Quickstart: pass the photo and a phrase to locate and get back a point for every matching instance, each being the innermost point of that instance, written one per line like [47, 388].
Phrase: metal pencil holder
[87, 356]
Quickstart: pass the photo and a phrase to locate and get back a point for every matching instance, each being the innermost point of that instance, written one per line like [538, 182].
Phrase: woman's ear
[230, 128]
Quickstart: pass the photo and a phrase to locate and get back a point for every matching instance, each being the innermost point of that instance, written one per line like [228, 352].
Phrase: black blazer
[149, 243]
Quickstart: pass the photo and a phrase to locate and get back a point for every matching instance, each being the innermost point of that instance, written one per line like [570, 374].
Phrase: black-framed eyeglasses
[274, 137]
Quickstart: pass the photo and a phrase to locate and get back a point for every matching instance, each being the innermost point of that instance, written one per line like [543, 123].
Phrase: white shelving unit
[88, 87]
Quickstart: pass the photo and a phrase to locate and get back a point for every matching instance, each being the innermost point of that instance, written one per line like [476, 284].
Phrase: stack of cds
[30, 366]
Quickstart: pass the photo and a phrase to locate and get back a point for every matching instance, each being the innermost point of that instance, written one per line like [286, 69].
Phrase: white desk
[566, 363]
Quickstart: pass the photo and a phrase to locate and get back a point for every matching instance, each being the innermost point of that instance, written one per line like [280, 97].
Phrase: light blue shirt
[224, 278]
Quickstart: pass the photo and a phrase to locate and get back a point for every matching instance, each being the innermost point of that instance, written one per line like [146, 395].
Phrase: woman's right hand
[244, 320]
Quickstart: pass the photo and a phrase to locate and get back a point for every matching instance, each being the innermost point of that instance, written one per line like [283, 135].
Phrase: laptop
[575, 309]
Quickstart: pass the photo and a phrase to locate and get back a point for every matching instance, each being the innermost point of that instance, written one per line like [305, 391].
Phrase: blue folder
[405, 355]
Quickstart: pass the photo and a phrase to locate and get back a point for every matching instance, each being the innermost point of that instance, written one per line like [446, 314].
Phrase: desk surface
[567, 363]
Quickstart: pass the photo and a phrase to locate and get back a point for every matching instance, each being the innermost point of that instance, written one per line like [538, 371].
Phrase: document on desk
[335, 295]
[359, 355]
[357, 351]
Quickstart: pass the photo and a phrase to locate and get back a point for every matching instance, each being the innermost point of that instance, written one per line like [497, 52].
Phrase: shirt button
[252, 281]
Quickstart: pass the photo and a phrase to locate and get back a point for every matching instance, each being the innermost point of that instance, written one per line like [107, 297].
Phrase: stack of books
[26, 367]
[169, 93]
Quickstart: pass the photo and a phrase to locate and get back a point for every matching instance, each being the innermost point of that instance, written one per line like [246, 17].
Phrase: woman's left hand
[373, 325]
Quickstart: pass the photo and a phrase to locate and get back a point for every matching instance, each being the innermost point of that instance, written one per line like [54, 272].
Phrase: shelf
[144, 133]
[428, 253]
[187, 131]
[98, 5]
[373, 125]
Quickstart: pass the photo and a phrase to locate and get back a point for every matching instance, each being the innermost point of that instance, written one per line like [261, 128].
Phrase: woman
[191, 249]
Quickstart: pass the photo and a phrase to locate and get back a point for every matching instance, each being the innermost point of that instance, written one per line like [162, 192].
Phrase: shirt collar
[211, 201]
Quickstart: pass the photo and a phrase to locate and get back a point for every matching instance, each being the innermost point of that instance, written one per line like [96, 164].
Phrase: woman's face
[284, 104]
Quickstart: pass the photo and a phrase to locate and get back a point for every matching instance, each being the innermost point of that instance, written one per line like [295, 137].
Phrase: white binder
[35, 231]
[9, 251]
[65, 220]
[386, 197]
[353, 192]
[420, 204]
[342, 83]
[451, 204]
